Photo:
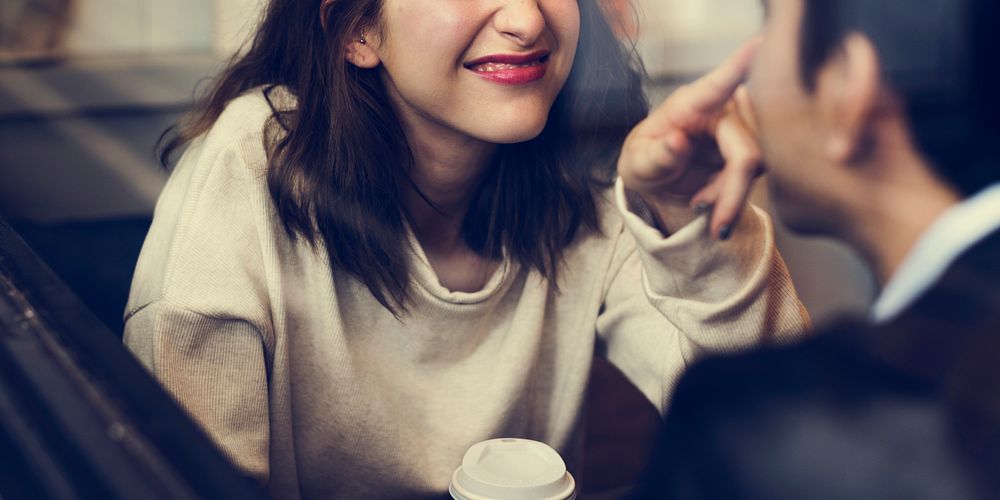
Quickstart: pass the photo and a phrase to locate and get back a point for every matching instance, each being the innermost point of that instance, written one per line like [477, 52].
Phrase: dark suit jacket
[905, 410]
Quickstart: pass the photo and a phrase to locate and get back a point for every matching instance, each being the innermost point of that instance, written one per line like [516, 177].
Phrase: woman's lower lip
[514, 76]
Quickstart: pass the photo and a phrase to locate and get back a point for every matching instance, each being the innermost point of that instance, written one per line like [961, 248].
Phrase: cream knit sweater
[307, 383]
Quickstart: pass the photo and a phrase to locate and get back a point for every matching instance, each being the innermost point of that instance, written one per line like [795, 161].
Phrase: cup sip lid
[512, 469]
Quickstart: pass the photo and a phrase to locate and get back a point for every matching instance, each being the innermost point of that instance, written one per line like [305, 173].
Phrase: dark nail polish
[725, 233]
[701, 208]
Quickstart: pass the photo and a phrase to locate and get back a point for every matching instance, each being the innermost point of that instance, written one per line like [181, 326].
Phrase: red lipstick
[511, 69]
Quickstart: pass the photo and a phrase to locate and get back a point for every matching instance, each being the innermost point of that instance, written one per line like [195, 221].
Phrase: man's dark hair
[940, 57]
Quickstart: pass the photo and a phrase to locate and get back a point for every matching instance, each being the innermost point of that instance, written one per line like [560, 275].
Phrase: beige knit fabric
[306, 382]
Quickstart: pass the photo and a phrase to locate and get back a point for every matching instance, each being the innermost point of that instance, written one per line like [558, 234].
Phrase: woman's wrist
[670, 212]
[672, 216]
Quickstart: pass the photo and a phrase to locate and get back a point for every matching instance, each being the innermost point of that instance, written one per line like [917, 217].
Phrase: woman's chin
[514, 134]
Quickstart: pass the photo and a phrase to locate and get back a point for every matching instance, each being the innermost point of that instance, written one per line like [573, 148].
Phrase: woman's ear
[358, 50]
[361, 53]
[848, 91]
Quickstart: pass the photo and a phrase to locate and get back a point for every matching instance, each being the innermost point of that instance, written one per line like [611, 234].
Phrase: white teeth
[492, 67]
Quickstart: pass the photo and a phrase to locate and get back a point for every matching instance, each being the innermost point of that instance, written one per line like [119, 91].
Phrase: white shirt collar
[959, 228]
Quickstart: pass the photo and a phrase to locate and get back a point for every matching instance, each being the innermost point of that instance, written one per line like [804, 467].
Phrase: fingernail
[725, 233]
[701, 208]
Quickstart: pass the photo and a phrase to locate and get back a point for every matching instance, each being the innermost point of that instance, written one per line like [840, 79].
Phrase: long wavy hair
[338, 161]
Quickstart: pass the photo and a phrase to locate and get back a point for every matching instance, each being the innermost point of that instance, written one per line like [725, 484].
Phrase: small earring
[363, 41]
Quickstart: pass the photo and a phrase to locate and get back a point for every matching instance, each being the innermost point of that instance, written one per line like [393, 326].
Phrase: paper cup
[512, 469]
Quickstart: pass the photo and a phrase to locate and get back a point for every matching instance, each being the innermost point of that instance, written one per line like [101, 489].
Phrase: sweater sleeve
[199, 310]
[215, 369]
[670, 300]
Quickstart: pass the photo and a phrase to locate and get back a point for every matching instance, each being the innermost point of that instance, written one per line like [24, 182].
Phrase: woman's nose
[521, 21]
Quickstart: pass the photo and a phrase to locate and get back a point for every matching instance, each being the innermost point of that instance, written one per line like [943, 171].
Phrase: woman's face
[487, 70]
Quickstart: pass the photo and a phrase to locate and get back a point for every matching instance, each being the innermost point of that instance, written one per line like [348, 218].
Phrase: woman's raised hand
[698, 150]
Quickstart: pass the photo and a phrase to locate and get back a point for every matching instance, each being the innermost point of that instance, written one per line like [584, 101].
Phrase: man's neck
[891, 219]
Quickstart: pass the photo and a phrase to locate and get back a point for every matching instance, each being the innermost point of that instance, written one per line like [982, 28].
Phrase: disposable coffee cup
[512, 469]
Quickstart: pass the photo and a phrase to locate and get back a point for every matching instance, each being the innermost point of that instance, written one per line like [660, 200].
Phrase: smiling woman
[350, 166]
[393, 234]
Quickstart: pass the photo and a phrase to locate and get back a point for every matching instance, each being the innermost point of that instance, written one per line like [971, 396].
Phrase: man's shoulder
[797, 421]
[817, 418]
[974, 279]
[958, 314]
[833, 364]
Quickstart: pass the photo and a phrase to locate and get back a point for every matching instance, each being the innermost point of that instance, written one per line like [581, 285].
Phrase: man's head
[855, 95]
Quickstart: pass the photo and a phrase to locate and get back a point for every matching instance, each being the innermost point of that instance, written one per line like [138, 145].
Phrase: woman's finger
[662, 152]
[733, 189]
[744, 108]
[704, 200]
[713, 90]
[653, 163]
[739, 146]
[694, 106]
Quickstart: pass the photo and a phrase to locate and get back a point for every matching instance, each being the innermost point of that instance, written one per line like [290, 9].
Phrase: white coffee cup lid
[512, 469]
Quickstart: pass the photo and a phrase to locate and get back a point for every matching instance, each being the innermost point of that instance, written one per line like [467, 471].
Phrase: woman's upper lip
[509, 58]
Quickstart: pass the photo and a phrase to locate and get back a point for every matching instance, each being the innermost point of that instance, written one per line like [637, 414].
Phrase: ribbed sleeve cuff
[692, 266]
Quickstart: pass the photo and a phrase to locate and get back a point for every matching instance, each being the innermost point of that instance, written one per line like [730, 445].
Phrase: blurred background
[87, 87]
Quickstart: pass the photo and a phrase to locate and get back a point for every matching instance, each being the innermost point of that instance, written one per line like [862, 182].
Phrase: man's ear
[361, 53]
[848, 90]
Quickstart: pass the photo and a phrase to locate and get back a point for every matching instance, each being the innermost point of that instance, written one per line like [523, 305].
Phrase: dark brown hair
[939, 57]
[338, 169]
